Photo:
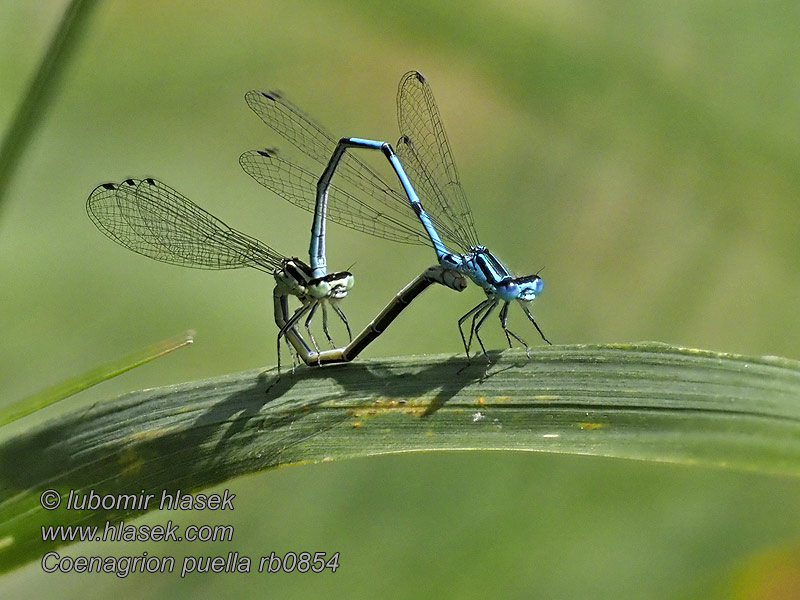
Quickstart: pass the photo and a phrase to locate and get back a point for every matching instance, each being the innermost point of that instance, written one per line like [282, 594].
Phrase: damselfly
[425, 152]
[154, 220]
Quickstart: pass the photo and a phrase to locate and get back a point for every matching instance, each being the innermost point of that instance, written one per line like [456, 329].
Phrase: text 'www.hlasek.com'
[80, 503]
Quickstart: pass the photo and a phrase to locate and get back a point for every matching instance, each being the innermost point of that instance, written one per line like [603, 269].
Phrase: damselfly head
[529, 286]
[341, 283]
[333, 285]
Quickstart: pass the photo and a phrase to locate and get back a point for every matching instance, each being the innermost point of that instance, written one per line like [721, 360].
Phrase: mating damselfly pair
[153, 219]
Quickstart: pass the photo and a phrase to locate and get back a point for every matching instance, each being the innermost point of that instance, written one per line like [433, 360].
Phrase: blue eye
[508, 290]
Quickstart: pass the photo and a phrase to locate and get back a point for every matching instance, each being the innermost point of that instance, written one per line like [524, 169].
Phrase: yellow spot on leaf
[130, 462]
[591, 425]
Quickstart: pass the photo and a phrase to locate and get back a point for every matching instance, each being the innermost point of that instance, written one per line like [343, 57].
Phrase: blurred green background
[645, 153]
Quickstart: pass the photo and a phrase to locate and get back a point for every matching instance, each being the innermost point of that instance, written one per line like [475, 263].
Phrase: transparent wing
[298, 186]
[419, 121]
[154, 220]
[374, 207]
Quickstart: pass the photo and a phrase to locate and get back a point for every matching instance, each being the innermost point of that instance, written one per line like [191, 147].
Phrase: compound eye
[538, 285]
[508, 289]
[319, 288]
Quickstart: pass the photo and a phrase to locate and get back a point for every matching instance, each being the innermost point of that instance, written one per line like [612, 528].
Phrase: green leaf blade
[72, 385]
[645, 401]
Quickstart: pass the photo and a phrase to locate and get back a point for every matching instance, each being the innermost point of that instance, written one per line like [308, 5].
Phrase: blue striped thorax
[486, 270]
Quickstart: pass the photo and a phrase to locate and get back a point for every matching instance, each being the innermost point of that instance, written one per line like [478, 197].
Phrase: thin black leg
[489, 311]
[508, 332]
[530, 316]
[461, 323]
[340, 312]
